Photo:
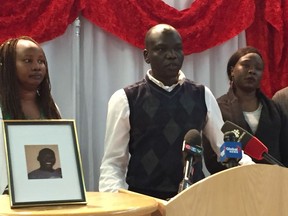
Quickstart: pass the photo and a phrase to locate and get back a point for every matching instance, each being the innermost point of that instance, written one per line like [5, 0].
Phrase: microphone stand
[185, 183]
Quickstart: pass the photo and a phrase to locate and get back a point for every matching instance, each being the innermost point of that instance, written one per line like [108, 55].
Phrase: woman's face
[247, 73]
[30, 64]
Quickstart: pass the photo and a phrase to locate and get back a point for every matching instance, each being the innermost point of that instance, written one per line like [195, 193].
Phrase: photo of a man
[46, 158]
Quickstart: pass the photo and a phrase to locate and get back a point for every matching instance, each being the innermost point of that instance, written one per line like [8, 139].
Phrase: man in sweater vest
[147, 122]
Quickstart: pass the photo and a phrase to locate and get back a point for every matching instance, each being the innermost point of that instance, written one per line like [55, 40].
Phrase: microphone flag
[230, 150]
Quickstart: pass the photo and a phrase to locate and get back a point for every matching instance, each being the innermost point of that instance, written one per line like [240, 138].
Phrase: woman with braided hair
[25, 90]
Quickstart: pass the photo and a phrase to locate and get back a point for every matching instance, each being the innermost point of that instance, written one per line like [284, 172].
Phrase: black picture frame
[24, 140]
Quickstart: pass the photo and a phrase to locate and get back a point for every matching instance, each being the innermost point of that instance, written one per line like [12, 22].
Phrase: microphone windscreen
[192, 142]
[255, 148]
[243, 136]
[193, 137]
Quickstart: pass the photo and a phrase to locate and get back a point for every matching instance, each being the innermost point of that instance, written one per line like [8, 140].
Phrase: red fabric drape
[206, 23]
[269, 33]
[42, 20]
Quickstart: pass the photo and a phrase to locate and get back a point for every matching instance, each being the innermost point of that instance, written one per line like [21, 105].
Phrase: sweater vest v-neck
[159, 121]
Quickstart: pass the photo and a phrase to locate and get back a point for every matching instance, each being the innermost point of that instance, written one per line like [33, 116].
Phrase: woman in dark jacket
[245, 105]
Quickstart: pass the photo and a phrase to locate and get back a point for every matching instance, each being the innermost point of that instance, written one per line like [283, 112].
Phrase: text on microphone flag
[230, 150]
[193, 149]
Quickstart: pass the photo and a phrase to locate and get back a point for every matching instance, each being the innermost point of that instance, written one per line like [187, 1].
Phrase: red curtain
[269, 33]
[205, 24]
[42, 20]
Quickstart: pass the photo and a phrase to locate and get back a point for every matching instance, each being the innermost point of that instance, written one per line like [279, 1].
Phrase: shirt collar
[181, 79]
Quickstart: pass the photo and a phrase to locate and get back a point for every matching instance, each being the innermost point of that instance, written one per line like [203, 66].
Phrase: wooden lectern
[256, 190]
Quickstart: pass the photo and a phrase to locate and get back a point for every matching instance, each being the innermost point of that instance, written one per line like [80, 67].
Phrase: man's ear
[231, 72]
[146, 58]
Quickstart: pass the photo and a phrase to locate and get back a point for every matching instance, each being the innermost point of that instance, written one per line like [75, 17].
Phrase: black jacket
[272, 128]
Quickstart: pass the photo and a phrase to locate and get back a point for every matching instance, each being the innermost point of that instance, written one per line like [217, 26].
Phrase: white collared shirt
[181, 79]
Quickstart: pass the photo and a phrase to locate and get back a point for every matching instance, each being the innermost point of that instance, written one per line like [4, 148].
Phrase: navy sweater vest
[159, 121]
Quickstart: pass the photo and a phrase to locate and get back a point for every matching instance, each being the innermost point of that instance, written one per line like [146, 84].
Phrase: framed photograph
[44, 163]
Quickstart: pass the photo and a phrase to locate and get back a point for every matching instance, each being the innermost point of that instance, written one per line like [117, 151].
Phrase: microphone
[256, 149]
[252, 145]
[192, 152]
[231, 150]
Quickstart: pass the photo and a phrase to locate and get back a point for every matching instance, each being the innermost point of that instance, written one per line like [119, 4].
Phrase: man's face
[165, 54]
[47, 160]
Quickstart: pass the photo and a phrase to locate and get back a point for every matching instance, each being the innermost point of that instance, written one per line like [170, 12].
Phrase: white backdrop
[87, 65]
